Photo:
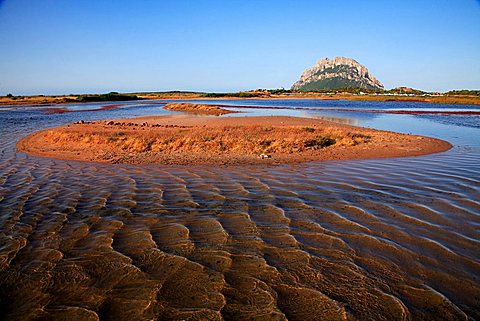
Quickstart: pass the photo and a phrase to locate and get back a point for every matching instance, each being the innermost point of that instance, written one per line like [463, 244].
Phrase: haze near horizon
[50, 47]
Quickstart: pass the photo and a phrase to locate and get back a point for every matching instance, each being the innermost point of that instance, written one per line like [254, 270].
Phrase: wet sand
[187, 140]
[62, 110]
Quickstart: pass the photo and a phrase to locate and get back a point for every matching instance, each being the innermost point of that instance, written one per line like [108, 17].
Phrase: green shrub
[247, 95]
[278, 91]
[265, 143]
[464, 92]
[215, 95]
[112, 96]
[319, 142]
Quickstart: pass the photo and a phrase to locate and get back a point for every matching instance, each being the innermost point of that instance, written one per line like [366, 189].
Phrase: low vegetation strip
[207, 140]
[350, 93]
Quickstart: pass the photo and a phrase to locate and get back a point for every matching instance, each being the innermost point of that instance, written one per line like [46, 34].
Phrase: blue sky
[62, 47]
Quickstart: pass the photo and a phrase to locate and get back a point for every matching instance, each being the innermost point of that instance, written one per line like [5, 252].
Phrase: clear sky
[62, 47]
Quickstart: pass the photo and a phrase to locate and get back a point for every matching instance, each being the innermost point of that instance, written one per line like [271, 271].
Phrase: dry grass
[245, 140]
[186, 140]
[35, 100]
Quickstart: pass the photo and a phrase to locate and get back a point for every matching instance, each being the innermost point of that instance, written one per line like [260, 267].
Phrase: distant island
[336, 73]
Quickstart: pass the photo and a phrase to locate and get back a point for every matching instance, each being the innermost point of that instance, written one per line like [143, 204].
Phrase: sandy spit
[192, 140]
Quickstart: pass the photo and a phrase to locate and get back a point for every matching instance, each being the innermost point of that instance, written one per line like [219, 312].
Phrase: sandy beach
[186, 140]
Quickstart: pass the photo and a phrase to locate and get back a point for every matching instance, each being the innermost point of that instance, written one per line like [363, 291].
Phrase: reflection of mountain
[341, 120]
[344, 117]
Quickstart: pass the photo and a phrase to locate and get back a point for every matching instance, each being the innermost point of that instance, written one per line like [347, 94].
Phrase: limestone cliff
[339, 72]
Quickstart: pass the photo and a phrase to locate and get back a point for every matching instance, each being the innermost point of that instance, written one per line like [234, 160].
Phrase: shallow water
[393, 239]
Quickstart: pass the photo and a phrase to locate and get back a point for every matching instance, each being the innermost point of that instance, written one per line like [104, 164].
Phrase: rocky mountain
[339, 72]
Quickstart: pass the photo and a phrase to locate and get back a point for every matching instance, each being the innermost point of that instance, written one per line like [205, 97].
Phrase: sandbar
[210, 140]
[198, 109]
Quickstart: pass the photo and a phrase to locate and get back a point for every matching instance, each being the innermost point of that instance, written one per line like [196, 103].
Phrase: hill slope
[335, 73]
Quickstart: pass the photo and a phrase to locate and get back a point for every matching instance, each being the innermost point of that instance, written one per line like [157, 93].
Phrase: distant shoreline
[56, 100]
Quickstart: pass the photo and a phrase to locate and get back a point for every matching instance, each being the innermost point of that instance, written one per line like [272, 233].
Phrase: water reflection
[392, 239]
[334, 118]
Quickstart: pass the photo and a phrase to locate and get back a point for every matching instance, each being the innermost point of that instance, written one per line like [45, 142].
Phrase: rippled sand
[125, 243]
[361, 240]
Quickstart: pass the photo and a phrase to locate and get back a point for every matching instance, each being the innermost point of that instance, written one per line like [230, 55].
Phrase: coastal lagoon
[381, 239]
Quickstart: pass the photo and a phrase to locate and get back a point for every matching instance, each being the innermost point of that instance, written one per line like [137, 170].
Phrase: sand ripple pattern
[357, 240]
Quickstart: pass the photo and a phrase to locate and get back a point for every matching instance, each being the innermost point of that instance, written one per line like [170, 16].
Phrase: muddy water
[390, 239]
